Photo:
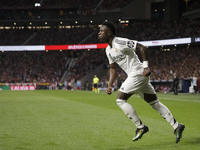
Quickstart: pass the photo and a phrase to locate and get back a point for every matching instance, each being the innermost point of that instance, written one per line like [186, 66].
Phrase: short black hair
[111, 26]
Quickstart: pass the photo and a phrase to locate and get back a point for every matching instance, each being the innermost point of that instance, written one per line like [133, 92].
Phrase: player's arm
[144, 54]
[113, 74]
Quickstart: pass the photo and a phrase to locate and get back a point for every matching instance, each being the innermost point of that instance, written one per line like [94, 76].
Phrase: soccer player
[121, 51]
[95, 83]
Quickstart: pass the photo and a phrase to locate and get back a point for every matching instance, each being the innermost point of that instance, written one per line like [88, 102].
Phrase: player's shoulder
[120, 40]
[125, 42]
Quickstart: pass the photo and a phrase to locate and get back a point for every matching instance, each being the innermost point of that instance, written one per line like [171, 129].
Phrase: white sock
[164, 112]
[130, 112]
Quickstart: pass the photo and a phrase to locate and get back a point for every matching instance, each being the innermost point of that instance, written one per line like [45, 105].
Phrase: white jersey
[123, 53]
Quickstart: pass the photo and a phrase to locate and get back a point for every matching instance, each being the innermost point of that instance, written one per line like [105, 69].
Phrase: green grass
[82, 120]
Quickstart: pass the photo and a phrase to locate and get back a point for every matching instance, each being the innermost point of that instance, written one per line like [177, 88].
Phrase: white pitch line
[161, 98]
[180, 100]
[174, 99]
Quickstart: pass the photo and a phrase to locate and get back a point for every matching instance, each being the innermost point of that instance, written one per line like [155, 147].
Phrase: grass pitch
[83, 120]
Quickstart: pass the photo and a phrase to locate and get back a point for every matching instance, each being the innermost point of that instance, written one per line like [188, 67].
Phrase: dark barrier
[42, 87]
[186, 83]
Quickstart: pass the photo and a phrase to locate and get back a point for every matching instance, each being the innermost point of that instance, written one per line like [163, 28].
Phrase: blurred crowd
[86, 4]
[85, 63]
[144, 31]
[91, 6]
[47, 67]
[50, 66]
[20, 4]
[183, 61]
[62, 9]
[32, 67]
[54, 9]
[138, 30]
[194, 5]
[59, 36]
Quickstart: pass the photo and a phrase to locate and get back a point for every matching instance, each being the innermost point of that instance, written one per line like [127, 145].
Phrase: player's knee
[120, 102]
[155, 104]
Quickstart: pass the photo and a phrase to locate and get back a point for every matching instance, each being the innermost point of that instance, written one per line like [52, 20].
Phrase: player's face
[103, 33]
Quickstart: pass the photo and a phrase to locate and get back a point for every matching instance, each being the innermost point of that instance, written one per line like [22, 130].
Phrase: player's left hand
[147, 72]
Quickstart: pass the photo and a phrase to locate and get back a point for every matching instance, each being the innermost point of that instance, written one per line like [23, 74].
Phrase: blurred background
[67, 22]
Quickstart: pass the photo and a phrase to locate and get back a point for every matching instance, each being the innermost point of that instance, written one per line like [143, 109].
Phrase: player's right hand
[109, 90]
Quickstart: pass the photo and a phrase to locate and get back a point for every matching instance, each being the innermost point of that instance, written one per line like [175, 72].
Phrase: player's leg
[150, 97]
[131, 113]
[129, 87]
[128, 109]
[161, 109]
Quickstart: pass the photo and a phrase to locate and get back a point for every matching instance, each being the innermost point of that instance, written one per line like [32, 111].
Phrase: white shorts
[138, 85]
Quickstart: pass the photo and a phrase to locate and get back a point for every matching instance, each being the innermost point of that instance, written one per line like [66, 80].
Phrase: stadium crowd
[139, 30]
[47, 67]
[194, 5]
[91, 4]
[62, 9]
[53, 9]
[23, 67]
[87, 6]
[184, 61]
[86, 62]
[41, 67]
[50, 66]
[28, 67]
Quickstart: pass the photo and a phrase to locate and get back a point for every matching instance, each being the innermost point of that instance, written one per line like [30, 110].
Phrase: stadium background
[51, 22]
[83, 120]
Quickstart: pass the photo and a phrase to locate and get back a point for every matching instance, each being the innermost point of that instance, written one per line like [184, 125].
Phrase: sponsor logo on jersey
[120, 42]
[117, 58]
[130, 44]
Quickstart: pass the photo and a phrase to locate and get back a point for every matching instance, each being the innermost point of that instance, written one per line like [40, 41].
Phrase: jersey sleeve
[131, 44]
[126, 44]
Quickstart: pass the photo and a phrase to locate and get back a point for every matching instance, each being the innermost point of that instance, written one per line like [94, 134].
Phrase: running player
[121, 51]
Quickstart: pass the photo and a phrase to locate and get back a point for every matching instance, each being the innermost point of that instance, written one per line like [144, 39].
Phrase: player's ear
[109, 33]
